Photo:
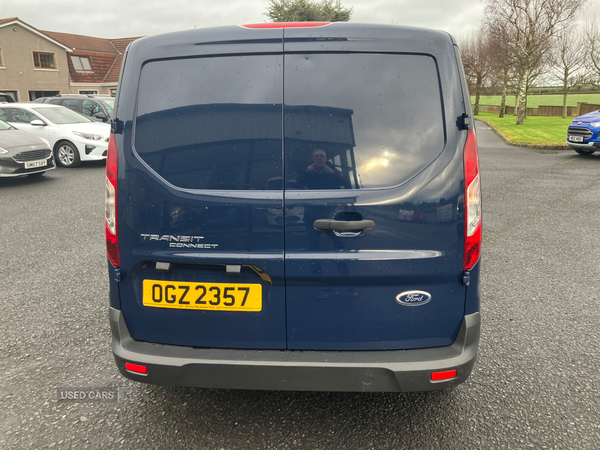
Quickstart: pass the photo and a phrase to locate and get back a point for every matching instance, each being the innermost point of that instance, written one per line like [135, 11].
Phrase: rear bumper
[392, 370]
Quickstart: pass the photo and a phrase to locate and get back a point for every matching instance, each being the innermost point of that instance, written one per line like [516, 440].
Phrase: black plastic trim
[391, 370]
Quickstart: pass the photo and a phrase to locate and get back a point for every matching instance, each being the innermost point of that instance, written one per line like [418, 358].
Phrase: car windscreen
[4, 126]
[61, 115]
[110, 104]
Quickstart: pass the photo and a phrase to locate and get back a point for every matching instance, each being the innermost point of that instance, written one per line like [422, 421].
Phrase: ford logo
[413, 298]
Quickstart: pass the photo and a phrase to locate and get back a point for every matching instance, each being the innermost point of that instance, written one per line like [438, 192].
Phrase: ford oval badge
[413, 298]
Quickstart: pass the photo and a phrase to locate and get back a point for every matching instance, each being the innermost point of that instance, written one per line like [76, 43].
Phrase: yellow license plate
[206, 296]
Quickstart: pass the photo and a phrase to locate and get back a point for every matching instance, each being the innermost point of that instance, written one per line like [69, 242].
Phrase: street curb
[531, 146]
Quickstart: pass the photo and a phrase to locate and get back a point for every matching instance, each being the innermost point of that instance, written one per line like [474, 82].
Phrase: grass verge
[533, 101]
[537, 131]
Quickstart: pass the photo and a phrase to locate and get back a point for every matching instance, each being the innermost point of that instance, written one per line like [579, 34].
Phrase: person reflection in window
[320, 174]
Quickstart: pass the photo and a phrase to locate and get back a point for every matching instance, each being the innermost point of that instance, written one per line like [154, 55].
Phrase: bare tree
[475, 53]
[567, 59]
[502, 59]
[592, 37]
[539, 67]
[532, 23]
[527, 76]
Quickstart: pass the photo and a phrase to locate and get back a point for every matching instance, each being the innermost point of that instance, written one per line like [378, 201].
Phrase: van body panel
[398, 162]
[197, 181]
[216, 132]
[234, 233]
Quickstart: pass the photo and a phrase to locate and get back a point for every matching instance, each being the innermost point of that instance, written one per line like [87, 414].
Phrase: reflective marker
[136, 368]
[447, 375]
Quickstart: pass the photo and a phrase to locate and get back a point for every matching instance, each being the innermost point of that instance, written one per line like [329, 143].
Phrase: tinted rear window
[212, 123]
[360, 120]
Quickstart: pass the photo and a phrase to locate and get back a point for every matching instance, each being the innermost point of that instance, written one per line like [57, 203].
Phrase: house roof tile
[86, 43]
[8, 19]
[101, 64]
[105, 55]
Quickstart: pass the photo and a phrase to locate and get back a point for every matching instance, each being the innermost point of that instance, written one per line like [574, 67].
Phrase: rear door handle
[343, 225]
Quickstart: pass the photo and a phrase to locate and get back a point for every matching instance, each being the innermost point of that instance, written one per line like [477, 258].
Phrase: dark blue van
[294, 206]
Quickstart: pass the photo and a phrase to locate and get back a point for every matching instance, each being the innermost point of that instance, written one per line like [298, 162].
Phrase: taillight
[286, 25]
[472, 203]
[110, 203]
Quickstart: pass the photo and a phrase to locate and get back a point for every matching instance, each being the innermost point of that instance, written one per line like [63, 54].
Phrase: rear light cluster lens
[110, 202]
[472, 203]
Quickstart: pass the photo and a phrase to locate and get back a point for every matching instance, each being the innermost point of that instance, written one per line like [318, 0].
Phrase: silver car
[22, 153]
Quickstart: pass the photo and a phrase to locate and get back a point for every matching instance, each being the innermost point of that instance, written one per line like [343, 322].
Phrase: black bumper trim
[295, 370]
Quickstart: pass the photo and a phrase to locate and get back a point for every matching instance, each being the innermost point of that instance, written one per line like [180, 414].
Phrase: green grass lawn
[536, 130]
[533, 101]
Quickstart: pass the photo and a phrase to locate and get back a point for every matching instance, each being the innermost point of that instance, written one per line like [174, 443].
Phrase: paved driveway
[536, 383]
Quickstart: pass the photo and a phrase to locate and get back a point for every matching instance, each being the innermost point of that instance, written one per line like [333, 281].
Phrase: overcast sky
[129, 18]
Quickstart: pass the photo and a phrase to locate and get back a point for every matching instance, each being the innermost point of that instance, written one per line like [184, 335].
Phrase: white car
[72, 136]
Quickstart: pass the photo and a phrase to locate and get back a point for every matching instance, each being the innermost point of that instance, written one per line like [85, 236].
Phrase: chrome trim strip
[362, 255]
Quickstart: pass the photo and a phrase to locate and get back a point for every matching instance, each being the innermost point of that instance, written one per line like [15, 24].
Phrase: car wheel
[67, 155]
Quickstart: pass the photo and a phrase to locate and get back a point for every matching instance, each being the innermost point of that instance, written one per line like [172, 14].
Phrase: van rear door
[201, 201]
[374, 190]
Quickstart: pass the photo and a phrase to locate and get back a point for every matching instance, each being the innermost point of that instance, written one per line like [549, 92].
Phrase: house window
[1, 60]
[88, 92]
[43, 60]
[82, 64]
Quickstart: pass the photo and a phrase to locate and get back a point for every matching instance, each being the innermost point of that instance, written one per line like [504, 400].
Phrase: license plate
[34, 164]
[204, 296]
[576, 138]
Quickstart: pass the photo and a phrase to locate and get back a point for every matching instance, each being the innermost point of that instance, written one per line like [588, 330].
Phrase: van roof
[338, 32]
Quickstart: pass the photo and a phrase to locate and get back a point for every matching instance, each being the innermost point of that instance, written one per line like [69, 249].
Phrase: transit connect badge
[178, 241]
[413, 298]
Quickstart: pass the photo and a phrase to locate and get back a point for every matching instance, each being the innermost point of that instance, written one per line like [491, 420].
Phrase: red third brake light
[472, 203]
[286, 25]
[110, 203]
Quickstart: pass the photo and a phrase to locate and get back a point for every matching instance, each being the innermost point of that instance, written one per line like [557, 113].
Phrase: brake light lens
[110, 203]
[472, 203]
[286, 25]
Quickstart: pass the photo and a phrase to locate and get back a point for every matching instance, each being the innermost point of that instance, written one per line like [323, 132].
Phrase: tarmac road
[536, 383]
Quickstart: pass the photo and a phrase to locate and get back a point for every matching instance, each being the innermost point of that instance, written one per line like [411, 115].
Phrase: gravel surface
[535, 385]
